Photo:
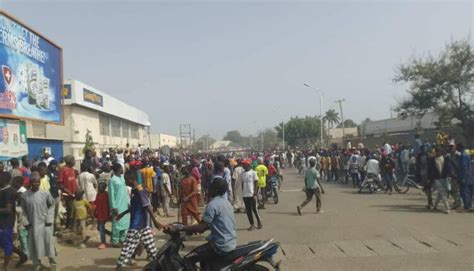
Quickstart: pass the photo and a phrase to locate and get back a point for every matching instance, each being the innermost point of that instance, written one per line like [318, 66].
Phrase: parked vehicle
[244, 257]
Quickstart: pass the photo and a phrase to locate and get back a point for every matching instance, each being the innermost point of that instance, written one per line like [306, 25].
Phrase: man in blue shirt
[219, 218]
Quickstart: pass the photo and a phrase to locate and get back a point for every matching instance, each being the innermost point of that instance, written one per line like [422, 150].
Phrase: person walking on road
[238, 200]
[38, 215]
[422, 170]
[312, 187]
[465, 177]
[437, 175]
[262, 172]
[118, 202]
[249, 180]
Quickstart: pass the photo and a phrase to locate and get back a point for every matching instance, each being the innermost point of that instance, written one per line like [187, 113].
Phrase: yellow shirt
[44, 183]
[262, 172]
[80, 209]
[148, 173]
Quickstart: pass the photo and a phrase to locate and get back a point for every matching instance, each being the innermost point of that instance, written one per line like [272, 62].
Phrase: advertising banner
[12, 139]
[31, 74]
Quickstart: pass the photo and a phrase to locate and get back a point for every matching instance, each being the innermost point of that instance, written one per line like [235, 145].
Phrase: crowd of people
[125, 188]
[129, 189]
[443, 168]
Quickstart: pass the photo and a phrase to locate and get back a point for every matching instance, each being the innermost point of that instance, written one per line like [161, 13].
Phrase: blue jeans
[355, 179]
[466, 195]
[101, 228]
[388, 177]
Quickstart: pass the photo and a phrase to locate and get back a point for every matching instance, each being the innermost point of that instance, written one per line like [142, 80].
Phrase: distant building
[337, 133]
[399, 125]
[223, 144]
[161, 140]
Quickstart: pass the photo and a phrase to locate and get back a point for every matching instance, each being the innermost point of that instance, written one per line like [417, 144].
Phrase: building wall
[36, 147]
[336, 133]
[168, 140]
[160, 140]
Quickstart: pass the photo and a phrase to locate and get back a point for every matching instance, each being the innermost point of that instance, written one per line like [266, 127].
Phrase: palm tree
[332, 117]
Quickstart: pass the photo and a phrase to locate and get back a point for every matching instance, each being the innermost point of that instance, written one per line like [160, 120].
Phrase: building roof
[77, 92]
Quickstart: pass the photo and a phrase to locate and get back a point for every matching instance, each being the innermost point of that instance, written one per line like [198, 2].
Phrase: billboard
[31, 74]
[12, 139]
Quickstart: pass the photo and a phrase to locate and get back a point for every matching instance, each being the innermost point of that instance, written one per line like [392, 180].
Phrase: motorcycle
[244, 257]
[271, 190]
[372, 182]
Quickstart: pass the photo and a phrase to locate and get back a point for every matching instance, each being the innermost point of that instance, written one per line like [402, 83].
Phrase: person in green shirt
[312, 187]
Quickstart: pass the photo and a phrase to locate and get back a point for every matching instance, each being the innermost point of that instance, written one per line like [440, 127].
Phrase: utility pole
[340, 101]
[320, 93]
[185, 133]
[262, 143]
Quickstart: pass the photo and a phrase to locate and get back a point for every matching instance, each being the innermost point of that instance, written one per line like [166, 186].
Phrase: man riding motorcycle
[219, 218]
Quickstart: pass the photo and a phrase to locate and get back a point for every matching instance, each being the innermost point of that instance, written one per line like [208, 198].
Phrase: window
[104, 122]
[133, 130]
[115, 127]
[125, 129]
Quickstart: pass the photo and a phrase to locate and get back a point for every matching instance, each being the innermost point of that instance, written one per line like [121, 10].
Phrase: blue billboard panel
[31, 74]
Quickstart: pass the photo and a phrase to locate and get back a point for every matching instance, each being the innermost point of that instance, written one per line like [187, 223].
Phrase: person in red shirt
[68, 184]
[102, 212]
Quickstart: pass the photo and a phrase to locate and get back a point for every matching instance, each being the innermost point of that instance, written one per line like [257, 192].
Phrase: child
[102, 212]
[80, 211]
[139, 231]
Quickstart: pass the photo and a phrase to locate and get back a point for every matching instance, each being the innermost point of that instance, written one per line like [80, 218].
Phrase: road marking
[412, 245]
[355, 248]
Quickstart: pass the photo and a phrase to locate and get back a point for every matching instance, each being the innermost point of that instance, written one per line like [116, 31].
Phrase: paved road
[356, 232]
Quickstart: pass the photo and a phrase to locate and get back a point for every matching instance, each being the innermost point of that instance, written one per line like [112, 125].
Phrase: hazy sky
[228, 65]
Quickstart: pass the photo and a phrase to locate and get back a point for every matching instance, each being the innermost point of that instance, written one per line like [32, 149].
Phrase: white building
[155, 141]
[111, 122]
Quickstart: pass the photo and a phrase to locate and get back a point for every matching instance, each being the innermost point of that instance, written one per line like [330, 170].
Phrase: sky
[226, 65]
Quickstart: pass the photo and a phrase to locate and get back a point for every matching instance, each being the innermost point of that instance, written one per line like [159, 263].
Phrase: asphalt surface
[355, 232]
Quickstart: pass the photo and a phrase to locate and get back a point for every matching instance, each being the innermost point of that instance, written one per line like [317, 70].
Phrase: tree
[204, 142]
[332, 117]
[443, 85]
[297, 129]
[233, 136]
[270, 139]
[348, 123]
[90, 145]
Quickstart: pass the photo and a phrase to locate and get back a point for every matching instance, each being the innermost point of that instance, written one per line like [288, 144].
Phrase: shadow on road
[402, 208]
[283, 213]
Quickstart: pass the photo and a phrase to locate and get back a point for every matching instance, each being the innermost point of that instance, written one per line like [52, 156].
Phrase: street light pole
[283, 129]
[320, 109]
[340, 101]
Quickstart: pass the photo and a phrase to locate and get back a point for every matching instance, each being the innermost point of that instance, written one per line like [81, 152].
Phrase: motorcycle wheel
[275, 195]
[257, 267]
[401, 189]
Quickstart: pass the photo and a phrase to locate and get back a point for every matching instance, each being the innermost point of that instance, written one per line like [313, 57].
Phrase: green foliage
[90, 145]
[234, 136]
[331, 117]
[348, 123]
[443, 85]
[297, 129]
